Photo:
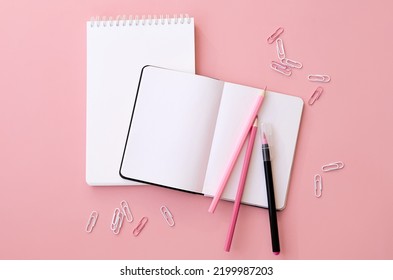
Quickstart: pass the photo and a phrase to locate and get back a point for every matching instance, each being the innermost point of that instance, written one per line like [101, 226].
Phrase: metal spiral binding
[135, 20]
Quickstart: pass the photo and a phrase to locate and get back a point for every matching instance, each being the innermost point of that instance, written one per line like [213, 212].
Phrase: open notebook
[184, 128]
[116, 52]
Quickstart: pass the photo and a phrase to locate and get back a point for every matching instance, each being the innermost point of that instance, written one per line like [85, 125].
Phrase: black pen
[270, 196]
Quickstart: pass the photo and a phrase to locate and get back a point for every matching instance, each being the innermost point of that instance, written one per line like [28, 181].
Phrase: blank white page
[172, 129]
[283, 112]
[116, 53]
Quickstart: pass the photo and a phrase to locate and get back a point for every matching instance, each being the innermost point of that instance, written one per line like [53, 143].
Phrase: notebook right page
[283, 112]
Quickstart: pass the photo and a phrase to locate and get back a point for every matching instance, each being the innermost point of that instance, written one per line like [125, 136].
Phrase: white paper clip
[280, 49]
[333, 166]
[281, 68]
[275, 35]
[315, 96]
[114, 217]
[117, 221]
[319, 78]
[126, 211]
[167, 216]
[292, 63]
[140, 226]
[318, 185]
[92, 221]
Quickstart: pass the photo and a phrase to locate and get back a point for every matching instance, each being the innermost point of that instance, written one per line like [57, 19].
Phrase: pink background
[45, 202]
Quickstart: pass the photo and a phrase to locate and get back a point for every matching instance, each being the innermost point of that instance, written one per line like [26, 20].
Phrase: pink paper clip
[275, 35]
[281, 68]
[280, 49]
[140, 226]
[292, 63]
[315, 96]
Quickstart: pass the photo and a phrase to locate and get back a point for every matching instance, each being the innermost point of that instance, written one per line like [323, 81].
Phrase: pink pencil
[242, 182]
[236, 153]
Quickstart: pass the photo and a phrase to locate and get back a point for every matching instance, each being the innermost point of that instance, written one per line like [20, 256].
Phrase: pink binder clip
[275, 35]
[281, 68]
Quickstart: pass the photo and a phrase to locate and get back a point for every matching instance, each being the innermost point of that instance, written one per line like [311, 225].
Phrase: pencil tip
[263, 92]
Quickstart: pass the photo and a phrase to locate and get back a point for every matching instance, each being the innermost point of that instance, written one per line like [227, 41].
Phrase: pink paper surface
[45, 202]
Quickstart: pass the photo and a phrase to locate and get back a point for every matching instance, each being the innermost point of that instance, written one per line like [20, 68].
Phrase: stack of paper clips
[285, 65]
[124, 212]
[118, 217]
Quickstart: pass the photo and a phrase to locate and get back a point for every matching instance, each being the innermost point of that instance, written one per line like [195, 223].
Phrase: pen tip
[276, 253]
[264, 139]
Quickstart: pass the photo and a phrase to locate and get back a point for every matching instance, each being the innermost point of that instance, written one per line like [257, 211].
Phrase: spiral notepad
[117, 49]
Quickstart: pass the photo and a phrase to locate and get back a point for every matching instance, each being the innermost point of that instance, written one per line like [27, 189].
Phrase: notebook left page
[116, 52]
[172, 129]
